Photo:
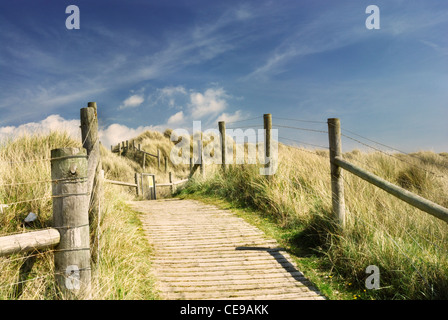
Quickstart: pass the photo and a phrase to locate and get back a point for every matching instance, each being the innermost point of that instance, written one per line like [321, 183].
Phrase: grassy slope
[408, 245]
[122, 271]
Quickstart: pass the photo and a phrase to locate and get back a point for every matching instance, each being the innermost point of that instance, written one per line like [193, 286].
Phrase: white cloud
[132, 102]
[116, 133]
[210, 103]
[111, 135]
[230, 117]
[176, 118]
[51, 123]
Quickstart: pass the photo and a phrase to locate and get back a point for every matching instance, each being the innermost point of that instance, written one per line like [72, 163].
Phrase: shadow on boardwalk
[203, 252]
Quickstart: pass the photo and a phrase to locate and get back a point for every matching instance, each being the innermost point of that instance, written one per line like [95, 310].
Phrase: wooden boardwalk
[203, 252]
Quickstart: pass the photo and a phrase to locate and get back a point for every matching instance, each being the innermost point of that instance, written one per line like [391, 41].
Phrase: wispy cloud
[65, 78]
[325, 31]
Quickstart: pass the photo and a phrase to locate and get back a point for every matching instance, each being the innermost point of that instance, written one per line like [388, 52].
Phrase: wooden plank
[28, 241]
[234, 284]
[227, 274]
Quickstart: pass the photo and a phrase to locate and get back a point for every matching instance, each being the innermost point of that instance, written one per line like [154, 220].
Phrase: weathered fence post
[337, 182]
[69, 171]
[144, 160]
[89, 133]
[201, 158]
[171, 181]
[166, 164]
[222, 131]
[158, 159]
[267, 124]
[90, 138]
[137, 182]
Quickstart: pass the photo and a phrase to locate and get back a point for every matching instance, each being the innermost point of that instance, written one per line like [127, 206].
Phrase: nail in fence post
[71, 218]
[337, 182]
[222, 131]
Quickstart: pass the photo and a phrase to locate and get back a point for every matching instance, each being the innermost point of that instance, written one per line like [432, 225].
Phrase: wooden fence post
[171, 181]
[337, 182]
[222, 131]
[158, 159]
[144, 160]
[267, 124]
[89, 133]
[201, 158]
[137, 182]
[69, 169]
[166, 164]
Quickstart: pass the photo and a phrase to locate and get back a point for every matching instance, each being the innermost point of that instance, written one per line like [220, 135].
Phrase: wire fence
[313, 127]
[409, 160]
[11, 206]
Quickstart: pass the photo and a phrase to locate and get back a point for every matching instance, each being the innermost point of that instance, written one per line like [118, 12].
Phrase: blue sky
[157, 64]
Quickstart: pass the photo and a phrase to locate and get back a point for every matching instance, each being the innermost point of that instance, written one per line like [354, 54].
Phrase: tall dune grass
[409, 246]
[120, 268]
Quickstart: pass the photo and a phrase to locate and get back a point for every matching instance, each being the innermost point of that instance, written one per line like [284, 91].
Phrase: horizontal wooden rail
[134, 149]
[180, 181]
[28, 241]
[171, 183]
[149, 154]
[121, 183]
[415, 200]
